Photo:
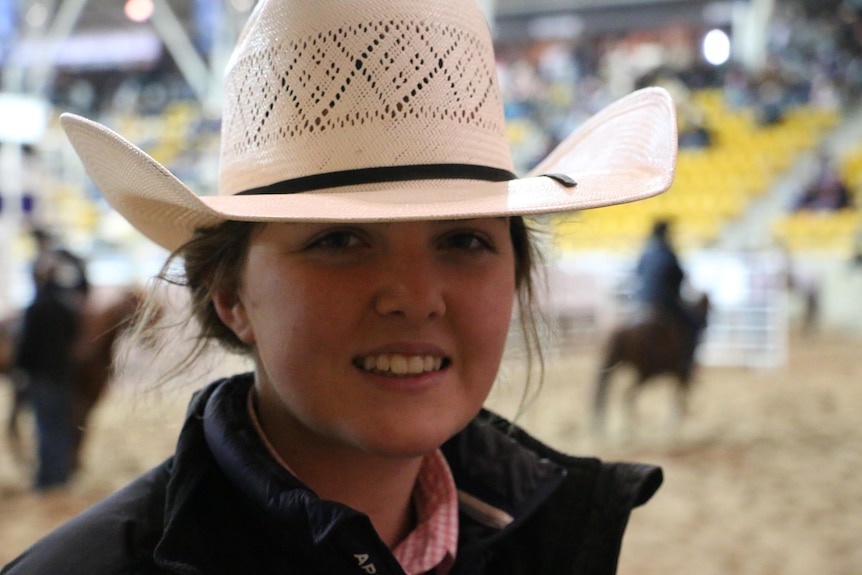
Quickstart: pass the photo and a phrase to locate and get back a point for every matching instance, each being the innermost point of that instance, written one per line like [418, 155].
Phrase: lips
[398, 364]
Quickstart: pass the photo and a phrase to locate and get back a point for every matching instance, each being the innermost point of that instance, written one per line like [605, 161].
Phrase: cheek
[294, 326]
[487, 314]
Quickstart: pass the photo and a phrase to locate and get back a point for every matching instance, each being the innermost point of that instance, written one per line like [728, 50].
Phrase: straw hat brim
[624, 153]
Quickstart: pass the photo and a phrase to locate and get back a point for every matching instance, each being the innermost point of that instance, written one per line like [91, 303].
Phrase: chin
[406, 443]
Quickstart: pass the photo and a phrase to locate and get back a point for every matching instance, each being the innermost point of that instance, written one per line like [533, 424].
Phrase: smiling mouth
[397, 364]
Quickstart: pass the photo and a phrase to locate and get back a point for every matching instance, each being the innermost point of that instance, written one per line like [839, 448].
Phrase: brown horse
[653, 343]
[102, 323]
[9, 329]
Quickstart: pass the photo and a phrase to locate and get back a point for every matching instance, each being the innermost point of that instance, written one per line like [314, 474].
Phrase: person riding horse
[660, 280]
[661, 338]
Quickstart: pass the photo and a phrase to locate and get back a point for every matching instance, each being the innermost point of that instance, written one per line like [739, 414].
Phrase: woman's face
[380, 338]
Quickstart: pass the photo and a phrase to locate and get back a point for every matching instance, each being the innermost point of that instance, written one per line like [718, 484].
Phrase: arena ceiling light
[716, 47]
[23, 118]
[138, 10]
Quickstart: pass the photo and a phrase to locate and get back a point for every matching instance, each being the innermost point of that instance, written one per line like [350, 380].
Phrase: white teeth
[416, 364]
[383, 363]
[401, 364]
[398, 364]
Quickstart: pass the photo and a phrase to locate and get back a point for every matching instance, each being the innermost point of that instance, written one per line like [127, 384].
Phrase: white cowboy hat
[364, 110]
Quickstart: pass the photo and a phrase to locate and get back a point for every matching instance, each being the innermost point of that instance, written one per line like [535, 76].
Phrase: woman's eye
[469, 241]
[335, 240]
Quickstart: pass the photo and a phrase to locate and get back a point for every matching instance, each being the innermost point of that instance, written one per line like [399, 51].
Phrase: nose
[411, 286]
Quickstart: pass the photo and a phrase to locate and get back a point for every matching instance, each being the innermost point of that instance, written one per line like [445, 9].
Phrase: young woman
[367, 248]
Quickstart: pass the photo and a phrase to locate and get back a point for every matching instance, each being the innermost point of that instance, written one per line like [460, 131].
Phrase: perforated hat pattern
[378, 92]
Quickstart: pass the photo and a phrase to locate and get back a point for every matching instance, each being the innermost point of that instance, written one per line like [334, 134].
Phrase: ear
[231, 311]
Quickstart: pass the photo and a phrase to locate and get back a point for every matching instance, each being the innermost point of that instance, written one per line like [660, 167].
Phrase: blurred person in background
[45, 377]
[827, 191]
[660, 279]
[56, 265]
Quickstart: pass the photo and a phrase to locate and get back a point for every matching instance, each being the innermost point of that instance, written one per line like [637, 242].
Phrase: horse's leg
[601, 386]
[16, 407]
[680, 405]
[630, 398]
[600, 400]
[91, 386]
[79, 415]
[12, 417]
[679, 410]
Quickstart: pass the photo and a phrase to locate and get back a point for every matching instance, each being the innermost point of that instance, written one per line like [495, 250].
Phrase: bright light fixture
[716, 47]
[139, 10]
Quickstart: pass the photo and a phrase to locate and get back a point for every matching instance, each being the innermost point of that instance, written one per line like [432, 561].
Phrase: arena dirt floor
[763, 477]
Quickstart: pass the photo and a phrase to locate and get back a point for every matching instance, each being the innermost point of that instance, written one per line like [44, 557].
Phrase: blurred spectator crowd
[811, 59]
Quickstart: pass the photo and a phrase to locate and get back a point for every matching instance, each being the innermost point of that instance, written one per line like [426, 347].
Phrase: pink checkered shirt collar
[433, 542]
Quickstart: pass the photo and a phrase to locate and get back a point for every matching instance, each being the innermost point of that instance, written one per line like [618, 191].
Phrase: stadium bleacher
[714, 185]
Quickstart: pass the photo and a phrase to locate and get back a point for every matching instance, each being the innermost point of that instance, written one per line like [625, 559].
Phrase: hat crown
[327, 86]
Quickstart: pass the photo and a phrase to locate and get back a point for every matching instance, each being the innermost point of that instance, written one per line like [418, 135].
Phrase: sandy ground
[762, 478]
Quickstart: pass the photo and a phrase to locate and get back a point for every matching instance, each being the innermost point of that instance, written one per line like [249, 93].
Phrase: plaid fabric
[432, 544]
